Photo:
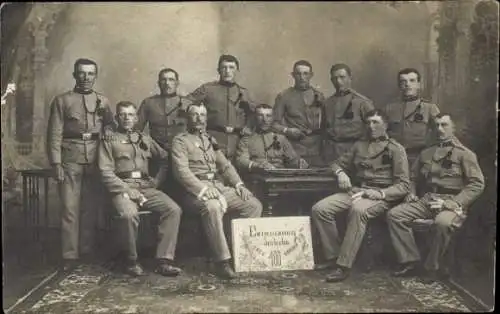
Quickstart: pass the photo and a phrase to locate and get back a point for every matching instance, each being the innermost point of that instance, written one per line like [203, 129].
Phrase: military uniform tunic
[301, 109]
[409, 124]
[75, 125]
[380, 164]
[344, 122]
[198, 166]
[266, 147]
[448, 171]
[226, 105]
[123, 162]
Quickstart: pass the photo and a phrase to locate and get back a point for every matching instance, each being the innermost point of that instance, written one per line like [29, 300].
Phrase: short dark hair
[440, 115]
[377, 112]
[228, 58]
[124, 104]
[165, 70]
[408, 71]
[263, 106]
[83, 61]
[340, 66]
[303, 62]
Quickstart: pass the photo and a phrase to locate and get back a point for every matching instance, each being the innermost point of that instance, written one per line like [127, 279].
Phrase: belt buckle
[135, 174]
[86, 136]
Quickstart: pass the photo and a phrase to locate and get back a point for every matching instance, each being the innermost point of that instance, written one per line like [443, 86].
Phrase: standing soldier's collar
[83, 92]
[379, 139]
[410, 98]
[227, 84]
[172, 95]
[342, 93]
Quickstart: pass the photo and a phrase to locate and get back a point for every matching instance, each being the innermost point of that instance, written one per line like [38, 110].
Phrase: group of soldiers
[194, 141]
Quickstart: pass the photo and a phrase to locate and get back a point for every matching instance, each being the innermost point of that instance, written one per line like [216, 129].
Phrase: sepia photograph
[249, 156]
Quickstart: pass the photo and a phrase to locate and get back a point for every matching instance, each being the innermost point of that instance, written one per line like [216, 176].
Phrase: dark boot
[339, 274]
[165, 268]
[224, 270]
[406, 270]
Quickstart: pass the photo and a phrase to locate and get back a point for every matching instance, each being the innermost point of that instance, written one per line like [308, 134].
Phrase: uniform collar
[451, 142]
[80, 91]
[302, 89]
[172, 95]
[342, 93]
[379, 139]
[227, 84]
[408, 99]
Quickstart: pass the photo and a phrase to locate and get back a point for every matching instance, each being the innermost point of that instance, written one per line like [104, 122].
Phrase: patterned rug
[102, 289]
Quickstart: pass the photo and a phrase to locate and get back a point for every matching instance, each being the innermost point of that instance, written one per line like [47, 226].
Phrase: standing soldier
[163, 112]
[123, 162]
[75, 124]
[298, 114]
[409, 119]
[230, 108]
[378, 169]
[211, 185]
[447, 179]
[344, 114]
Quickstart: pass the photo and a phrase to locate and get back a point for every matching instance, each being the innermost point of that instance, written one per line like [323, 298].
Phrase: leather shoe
[429, 277]
[338, 274]
[407, 270]
[168, 270]
[224, 270]
[329, 264]
[134, 270]
[69, 264]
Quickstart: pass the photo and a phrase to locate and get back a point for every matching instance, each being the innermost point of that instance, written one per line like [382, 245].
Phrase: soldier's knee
[443, 222]
[128, 214]
[212, 208]
[396, 214]
[256, 207]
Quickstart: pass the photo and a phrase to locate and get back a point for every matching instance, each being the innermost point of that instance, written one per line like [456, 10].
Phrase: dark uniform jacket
[122, 153]
[227, 105]
[380, 163]
[449, 167]
[165, 115]
[74, 129]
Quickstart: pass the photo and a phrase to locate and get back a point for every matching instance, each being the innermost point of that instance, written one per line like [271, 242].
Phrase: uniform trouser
[333, 150]
[360, 212]
[212, 216]
[128, 220]
[399, 219]
[81, 197]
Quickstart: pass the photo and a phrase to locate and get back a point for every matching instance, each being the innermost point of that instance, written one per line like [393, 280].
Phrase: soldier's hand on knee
[58, 172]
[410, 198]
[243, 192]
[344, 181]
[372, 194]
[303, 164]
[134, 194]
[436, 203]
[211, 193]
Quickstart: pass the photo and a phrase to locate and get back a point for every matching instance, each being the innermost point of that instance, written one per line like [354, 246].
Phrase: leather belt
[206, 176]
[86, 136]
[375, 185]
[344, 140]
[132, 175]
[415, 150]
[440, 190]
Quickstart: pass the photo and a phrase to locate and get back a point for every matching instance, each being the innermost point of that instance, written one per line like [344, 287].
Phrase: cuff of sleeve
[238, 184]
[338, 171]
[250, 166]
[382, 193]
[284, 130]
[203, 190]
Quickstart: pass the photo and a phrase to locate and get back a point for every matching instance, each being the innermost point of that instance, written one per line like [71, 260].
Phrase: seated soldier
[211, 185]
[447, 179]
[123, 162]
[379, 169]
[265, 149]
